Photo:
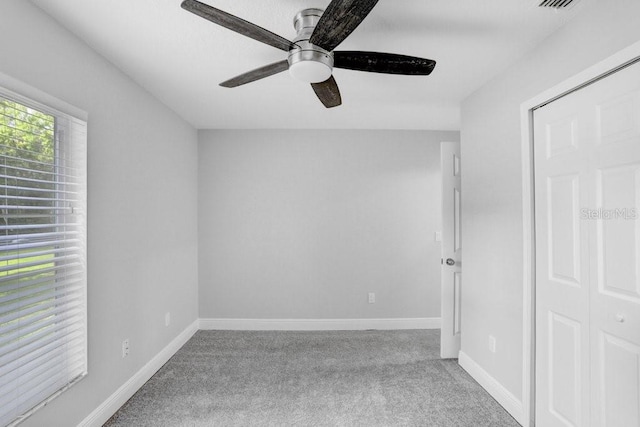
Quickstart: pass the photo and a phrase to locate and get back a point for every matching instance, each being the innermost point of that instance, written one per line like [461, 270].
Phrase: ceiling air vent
[557, 4]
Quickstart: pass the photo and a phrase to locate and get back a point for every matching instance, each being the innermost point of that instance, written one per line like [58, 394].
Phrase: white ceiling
[181, 58]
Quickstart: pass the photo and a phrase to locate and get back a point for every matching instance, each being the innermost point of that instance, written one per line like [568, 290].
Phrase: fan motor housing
[308, 62]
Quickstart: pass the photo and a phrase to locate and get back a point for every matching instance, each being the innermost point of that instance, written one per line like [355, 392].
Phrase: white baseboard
[109, 407]
[318, 324]
[503, 396]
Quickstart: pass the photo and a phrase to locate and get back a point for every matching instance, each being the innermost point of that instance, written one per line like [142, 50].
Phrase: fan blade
[257, 74]
[376, 62]
[328, 92]
[236, 24]
[339, 20]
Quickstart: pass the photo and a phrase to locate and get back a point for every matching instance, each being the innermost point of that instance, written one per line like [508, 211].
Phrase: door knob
[450, 261]
[620, 318]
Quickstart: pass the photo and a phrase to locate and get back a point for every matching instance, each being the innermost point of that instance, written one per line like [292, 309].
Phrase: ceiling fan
[311, 55]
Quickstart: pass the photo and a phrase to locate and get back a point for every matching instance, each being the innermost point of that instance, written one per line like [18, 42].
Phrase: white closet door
[587, 165]
[562, 263]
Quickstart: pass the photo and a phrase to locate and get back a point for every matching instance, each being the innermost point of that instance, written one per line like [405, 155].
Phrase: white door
[451, 250]
[587, 198]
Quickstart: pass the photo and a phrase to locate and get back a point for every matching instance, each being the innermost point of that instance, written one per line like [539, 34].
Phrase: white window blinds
[43, 279]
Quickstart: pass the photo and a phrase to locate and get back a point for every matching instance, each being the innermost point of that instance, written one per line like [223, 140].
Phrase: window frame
[70, 135]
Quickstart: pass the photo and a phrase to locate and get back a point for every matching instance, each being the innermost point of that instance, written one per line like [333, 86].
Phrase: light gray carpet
[354, 378]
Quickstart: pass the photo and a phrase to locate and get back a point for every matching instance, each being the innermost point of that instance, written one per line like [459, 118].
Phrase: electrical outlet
[372, 297]
[167, 318]
[437, 236]
[492, 344]
[125, 348]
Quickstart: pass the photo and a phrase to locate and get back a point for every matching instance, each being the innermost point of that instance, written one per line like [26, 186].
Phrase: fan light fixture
[307, 62]
[310, 71]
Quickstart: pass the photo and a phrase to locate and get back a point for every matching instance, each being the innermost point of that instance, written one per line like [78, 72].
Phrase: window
[43, 278]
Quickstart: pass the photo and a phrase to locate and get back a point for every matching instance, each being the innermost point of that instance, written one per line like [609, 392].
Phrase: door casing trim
[612, 64]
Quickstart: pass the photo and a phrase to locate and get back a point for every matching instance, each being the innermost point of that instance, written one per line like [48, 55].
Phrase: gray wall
[142, 247]
[492, 180]
[302, 225]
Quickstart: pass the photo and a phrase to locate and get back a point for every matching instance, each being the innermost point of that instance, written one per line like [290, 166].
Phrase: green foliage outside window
[27, 164]
[27, 167]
